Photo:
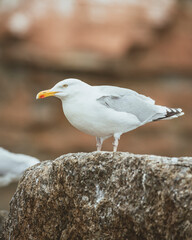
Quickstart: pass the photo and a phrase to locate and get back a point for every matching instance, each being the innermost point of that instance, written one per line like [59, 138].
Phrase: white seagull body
[12, 166]
[105, 111]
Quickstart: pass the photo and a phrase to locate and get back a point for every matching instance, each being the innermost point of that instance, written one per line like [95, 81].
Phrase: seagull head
[64, 89]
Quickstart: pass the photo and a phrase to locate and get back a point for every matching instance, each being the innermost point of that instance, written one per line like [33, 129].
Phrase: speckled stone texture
[3, 217]
[104, 196]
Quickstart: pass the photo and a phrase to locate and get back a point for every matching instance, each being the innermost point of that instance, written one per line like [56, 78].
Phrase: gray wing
[130, 103]
[117, 91]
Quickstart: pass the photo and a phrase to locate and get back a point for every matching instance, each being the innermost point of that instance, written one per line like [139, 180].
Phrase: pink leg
[116, 142]
[99, 143]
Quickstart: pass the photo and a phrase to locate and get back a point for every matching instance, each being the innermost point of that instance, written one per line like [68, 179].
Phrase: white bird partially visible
[105, 111]
[12, 166]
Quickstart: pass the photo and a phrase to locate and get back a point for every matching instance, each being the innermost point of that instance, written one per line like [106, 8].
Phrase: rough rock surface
[104, 196]
[3, 217]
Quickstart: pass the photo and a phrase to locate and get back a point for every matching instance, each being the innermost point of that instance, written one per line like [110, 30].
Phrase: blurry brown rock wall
[143, 35]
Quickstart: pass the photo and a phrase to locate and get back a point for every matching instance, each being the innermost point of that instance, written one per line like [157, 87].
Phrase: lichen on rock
[103, 195]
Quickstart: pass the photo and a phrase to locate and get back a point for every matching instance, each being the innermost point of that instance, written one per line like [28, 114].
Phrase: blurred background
[142, 45]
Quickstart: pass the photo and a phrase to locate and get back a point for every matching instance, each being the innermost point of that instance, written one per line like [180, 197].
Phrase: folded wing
[143, 110]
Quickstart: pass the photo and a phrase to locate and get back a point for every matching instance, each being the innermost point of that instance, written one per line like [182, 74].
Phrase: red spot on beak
[42, 96]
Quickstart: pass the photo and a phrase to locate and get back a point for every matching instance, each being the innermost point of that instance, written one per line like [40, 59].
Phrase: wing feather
[126, 100]
[112, 90]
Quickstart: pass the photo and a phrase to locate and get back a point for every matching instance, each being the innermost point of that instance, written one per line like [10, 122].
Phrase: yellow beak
[45, 93]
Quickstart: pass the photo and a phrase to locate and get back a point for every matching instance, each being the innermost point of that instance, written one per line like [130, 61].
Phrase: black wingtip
[171, 112]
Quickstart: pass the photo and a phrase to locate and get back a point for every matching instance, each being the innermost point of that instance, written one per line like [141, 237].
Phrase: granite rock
[103, 195]
[3, 217]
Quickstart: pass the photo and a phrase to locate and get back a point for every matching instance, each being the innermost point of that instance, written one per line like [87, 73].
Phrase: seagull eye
[65, 85]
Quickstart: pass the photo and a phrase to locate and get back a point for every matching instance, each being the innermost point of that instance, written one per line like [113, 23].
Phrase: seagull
[106, 111]
[12, 166]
